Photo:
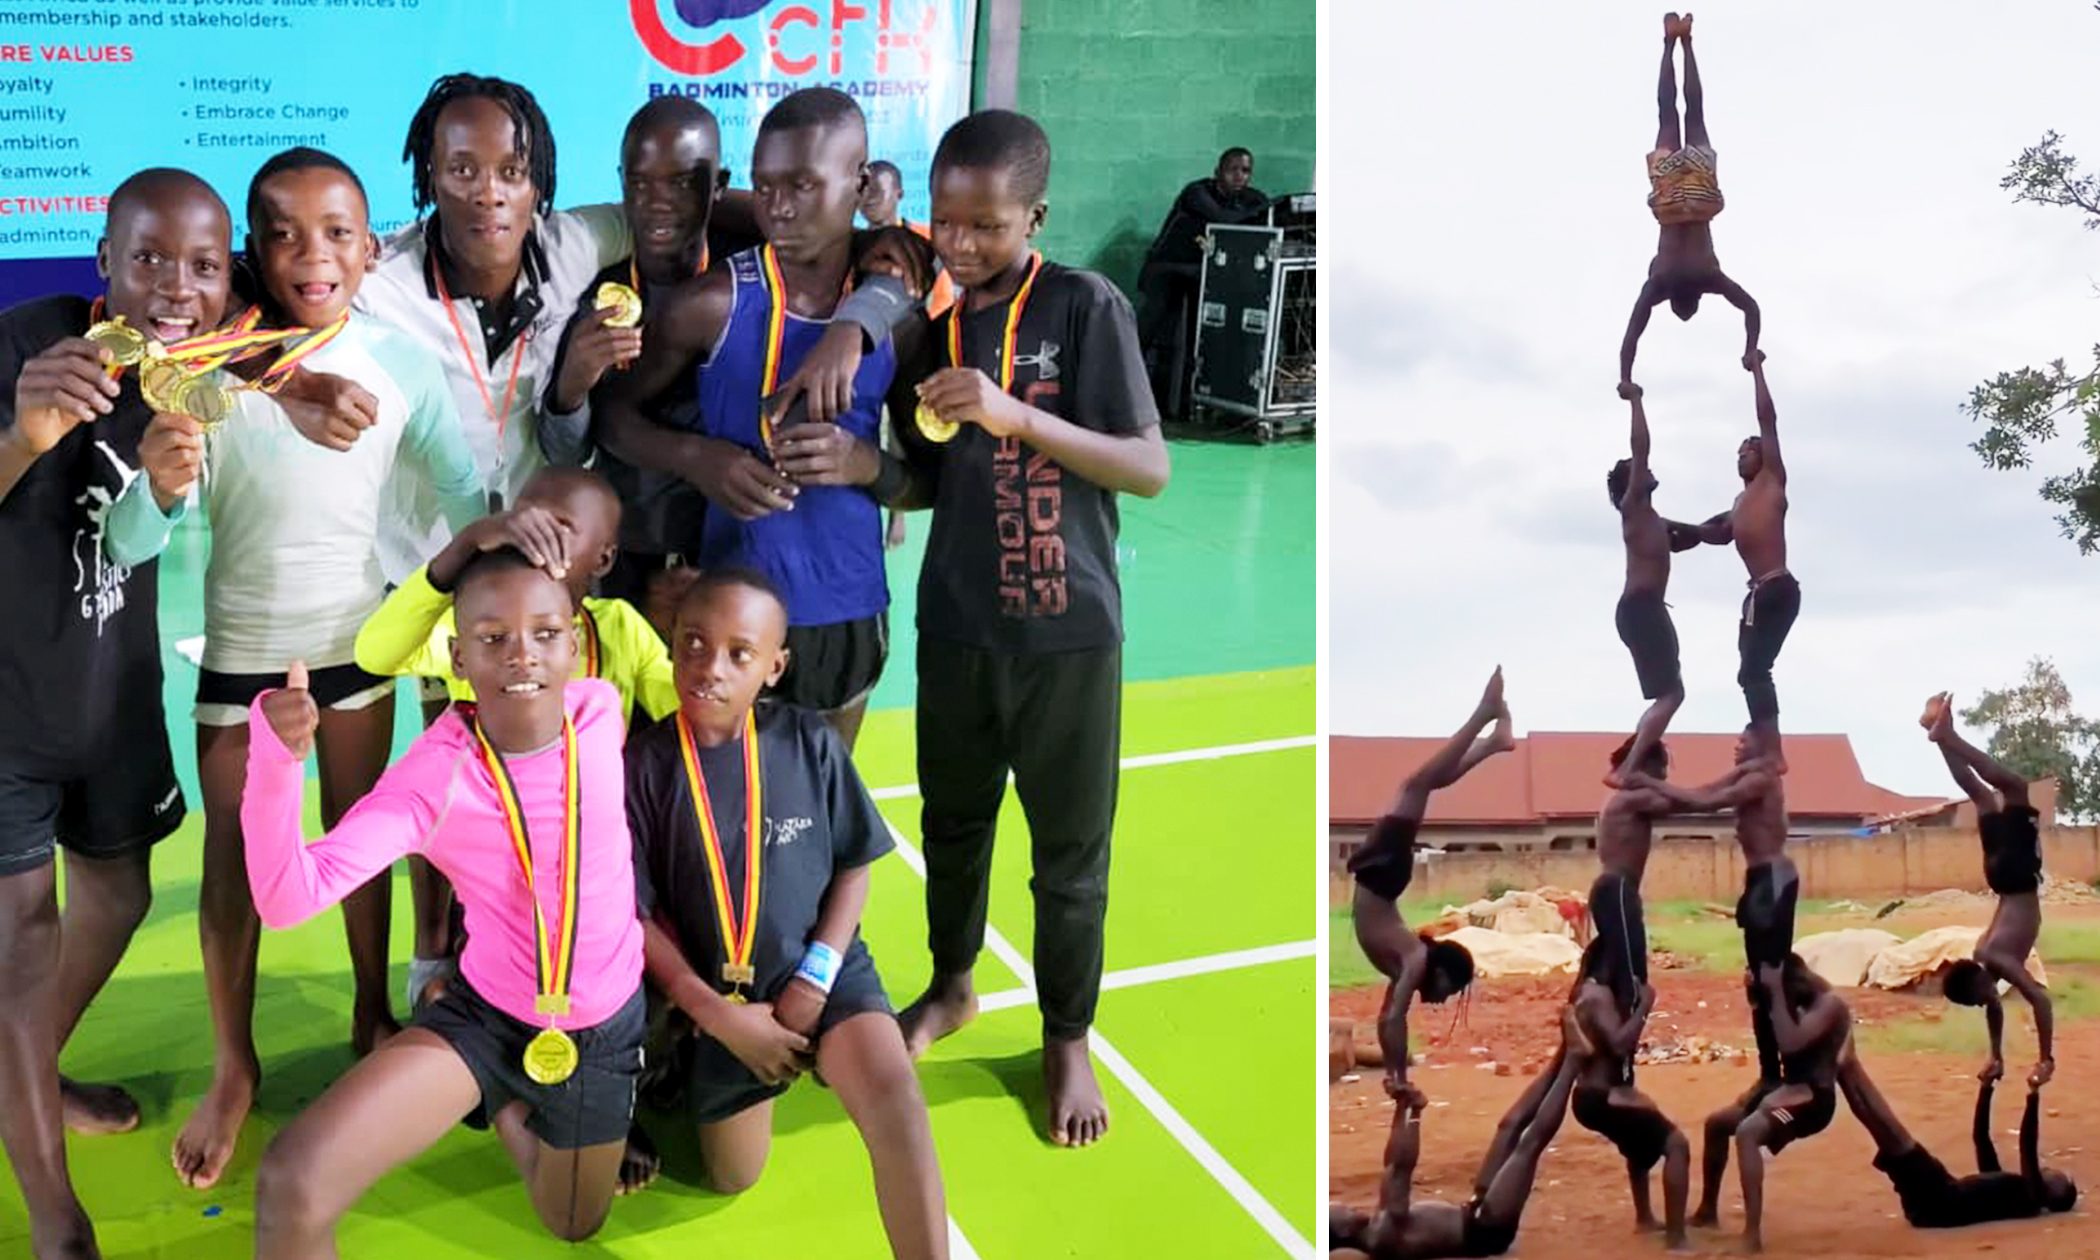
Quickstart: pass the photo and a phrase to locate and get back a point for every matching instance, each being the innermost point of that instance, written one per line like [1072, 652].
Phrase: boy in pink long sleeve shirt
[446, 800]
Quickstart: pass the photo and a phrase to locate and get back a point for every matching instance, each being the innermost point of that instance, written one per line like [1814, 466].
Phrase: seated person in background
[1174, 264]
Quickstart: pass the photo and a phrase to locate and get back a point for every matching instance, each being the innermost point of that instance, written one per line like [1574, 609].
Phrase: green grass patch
[2069, 942]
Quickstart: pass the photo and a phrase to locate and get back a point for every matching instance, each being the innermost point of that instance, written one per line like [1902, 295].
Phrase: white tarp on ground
[1498, 954]
[1518, 912]
[1843, 957]
[1902, 965]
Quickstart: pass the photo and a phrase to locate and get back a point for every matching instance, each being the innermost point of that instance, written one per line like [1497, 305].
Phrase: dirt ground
[1822, 1197]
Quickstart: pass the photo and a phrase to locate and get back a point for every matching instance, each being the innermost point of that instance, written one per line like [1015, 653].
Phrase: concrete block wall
[1140, 96]
[1909, 862]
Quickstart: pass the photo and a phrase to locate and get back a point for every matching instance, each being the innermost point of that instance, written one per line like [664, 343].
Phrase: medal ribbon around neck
[1009, 337]
[510, 389]
[737, 939]
[590, 643]
[289, 359]
[555, 958]
[776, 334]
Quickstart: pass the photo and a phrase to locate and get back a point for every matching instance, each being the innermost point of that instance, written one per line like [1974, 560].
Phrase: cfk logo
[796, 27]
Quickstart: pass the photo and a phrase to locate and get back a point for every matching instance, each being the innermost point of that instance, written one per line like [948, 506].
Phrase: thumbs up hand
[292, 713]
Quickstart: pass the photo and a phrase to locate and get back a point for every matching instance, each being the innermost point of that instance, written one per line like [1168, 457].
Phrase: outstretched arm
[1742, 301]
[1767, 420]
[1637, 487]
[1740, 788]
[1398, 954]
[1402, 1151]
[1684, 537]
[1643, 306]
[1986, 1149]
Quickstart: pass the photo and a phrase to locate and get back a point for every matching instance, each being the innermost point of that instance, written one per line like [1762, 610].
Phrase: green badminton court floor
[1208, 1024]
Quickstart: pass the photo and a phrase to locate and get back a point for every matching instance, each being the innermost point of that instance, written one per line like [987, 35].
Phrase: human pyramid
[1805, 1052]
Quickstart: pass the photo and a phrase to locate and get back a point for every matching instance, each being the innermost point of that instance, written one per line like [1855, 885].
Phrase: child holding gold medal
[519, 801]
[753, 841]
[786, 495]
[1033, 415]
[293, 576]
[85, 765]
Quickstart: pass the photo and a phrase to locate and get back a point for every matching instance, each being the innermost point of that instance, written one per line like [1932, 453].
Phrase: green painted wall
[1140, 97]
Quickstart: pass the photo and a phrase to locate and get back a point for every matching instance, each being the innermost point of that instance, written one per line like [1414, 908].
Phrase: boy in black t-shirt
[765, 963]
[1020, 613]
[84, 757]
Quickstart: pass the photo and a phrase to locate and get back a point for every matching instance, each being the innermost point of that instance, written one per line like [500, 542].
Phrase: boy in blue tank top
[793, 496]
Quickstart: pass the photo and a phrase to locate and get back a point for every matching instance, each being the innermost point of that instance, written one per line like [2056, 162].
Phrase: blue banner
[92, 90]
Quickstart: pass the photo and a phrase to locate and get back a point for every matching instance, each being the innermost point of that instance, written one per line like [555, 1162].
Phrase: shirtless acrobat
[1685, 195]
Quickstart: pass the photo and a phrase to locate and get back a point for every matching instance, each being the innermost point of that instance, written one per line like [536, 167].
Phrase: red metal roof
[1558, 775]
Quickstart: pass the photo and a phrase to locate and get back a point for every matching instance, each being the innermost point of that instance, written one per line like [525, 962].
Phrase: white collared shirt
[574, 246]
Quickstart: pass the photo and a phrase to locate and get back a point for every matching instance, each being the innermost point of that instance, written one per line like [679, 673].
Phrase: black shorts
[1640, 1133]
[830, 667]
[1765, 911]
[223, 699]
[1481, 1238]
[1923, 1184]
[1385, 865]
[1645, 628]
[122, 803]
[716, 1083]
[2012, 850]
[594, 1106]
[1805, 1121]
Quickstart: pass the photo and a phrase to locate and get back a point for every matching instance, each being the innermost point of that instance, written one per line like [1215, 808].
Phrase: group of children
[611, 482]
[1806, 1056]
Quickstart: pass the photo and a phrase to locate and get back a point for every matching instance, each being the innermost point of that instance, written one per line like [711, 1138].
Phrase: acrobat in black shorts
[1645, 628]
[1385, 865]
[2012, 850]
[831, 667]
[594, 1106]
[1642, 1134]
[1805, 1121]
[102, 809]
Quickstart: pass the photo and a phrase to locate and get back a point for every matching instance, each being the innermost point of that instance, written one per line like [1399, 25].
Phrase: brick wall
[1898, 863]
[1140, 96]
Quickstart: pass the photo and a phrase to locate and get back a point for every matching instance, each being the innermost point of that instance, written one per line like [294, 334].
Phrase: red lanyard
[510, 390]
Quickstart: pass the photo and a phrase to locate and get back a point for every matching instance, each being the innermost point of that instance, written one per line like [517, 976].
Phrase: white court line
[1152, 759]
[1123, 1070]
[1157, 972]
[959, 1247]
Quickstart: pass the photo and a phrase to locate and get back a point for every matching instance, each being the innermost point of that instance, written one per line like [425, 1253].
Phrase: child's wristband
[819, 966]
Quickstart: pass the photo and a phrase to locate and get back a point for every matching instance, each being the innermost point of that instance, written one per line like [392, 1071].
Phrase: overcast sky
[1485, 237]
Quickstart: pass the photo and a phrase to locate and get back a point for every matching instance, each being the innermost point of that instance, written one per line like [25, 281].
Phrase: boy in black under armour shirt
[84, 758]
[1020, 613]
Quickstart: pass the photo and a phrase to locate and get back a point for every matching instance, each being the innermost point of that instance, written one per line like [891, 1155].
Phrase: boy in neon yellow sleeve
[567, 521]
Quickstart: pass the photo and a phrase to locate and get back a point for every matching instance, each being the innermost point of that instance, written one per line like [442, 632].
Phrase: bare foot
[1646, 1225]
[1491, 703]
[1682, 1247]
[1078, 1113]
[2043, 1073]
[371, 1030]
[948, 1003]
[1753, 1242]
[1943, 721]
[1705, 1218]
[640, 1163]
[1684, 28]
[1669, 27]
[97, 1109]
[205, 1145]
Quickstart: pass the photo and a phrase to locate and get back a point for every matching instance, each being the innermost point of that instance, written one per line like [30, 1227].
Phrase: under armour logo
[1044, 360]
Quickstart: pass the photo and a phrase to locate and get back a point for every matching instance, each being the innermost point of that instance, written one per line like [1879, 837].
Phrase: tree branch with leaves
[2026, 408]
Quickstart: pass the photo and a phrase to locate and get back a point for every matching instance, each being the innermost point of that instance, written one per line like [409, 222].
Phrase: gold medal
[624, 303]
[550, 1058]
[932, 427]
[126, 345]
[161, 383]
[204, 401]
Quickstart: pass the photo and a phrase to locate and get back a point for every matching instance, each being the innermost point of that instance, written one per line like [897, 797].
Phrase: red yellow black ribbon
[556, 954]
[739, 931]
